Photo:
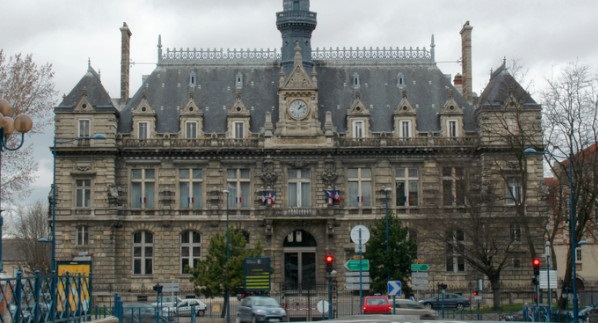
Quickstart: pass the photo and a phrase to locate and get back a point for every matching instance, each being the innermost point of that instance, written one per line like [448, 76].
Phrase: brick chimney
[458, 83]
[125, 63]
[466, 61]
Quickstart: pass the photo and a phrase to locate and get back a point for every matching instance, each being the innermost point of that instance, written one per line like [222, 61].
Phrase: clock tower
[298, 102]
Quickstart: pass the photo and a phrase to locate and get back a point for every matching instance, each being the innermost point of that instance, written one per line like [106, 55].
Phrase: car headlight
[260, 312]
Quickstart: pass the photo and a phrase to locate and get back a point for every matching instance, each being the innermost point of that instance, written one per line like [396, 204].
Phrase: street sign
[358, 265]
[322, 306]
[355, 280]
[360, 231]
[420, 287]
[420, 267]
[544, 280]
[357, 250]
[356, 286]
[420, 281]
[419, 275]
[357, 273]
[394, 287]
[170, 287]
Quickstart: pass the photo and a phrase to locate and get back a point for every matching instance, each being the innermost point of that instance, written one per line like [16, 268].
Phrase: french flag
[328, 197]
[336, 196]
[190, 200]
[239, 199]
[271, 198]
[360, 199]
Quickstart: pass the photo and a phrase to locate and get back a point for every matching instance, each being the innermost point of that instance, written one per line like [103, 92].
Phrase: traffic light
[329, 261]
[535, 281]
[158, 288]
[475, 293]
[536, 264]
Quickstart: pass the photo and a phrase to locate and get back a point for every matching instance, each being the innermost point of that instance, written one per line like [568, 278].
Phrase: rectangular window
[360, 187]
[142, 188]
[299, 189]
[515, 232]
[238, 180]
[190, 250]
[82, 235]
[578, 258]
[358, 129]
[455, 249]
[143, 252]
[83, 192]
[239, 130]
[407, 186]
[143, 131]
[191, 130]
[452, 128]
[453, 186]
[514, 191]
[84, 128]
[190, 188]
[405, 131]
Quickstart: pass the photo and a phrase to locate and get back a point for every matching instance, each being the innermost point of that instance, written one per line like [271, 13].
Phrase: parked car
[260, 309]
[184, 307]
[408, 307]
[141, 313]
[449, 301]
[168, 301]
[376, 305]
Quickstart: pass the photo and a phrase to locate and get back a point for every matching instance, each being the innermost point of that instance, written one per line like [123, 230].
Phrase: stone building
[308, 143]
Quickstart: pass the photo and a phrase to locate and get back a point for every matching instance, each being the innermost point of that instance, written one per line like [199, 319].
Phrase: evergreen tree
[214, 275]
[394, 263]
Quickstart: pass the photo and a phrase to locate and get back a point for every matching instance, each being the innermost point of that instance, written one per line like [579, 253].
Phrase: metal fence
[45, 298]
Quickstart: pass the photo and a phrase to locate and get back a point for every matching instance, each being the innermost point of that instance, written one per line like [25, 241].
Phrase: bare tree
[571, 124]
[29, 89]
[30, 225]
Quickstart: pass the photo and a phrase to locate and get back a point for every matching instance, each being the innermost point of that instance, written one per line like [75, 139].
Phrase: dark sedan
[448, 301]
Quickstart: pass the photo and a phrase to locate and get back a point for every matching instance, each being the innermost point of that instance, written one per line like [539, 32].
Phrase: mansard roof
[383, 78]
[501, 87]
[90, 86]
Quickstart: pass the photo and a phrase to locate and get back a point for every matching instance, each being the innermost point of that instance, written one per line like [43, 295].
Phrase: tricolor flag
[190, 200]
[359, 199]
[336, 197]
[271, 198]
[329, 195]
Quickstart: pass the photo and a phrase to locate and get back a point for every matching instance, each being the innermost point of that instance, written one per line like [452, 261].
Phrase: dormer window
[239, 81]
[238, 130]
[192, 78]
[405, 130]
[452, 128]
[143, 130]
[400, 80]
[191, 130]
[358, 129]
[356, 82]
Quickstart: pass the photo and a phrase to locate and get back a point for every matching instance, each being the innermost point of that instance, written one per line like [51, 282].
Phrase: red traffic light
[329, 259]
[475, 293]
[536, 263]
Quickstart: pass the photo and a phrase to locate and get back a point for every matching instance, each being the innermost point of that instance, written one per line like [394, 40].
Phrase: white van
[168, 301]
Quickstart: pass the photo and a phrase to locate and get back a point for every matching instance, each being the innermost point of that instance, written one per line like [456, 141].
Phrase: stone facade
[235, 122]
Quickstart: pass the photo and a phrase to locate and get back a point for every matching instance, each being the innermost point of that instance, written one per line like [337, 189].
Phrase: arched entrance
[299, 248]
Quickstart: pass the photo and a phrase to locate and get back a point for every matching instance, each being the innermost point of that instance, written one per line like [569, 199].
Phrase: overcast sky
[543, 35]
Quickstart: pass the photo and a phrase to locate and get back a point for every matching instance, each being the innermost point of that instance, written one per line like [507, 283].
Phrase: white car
[168, 301]
[184, 307]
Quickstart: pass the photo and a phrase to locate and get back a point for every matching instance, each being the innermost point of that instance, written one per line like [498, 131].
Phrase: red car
[376, 305]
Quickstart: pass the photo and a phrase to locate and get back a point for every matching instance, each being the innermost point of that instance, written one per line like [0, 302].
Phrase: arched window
[190, 250]
[143, 253]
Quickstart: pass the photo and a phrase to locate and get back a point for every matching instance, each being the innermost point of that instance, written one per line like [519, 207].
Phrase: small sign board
[170, 287]
[358, 265]
[360, 234]
[257, 274]
[355, 280]
[395, 287]
[356, 286]
[420, 267]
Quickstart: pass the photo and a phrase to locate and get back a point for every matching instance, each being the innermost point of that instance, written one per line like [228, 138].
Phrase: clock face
[298, 109]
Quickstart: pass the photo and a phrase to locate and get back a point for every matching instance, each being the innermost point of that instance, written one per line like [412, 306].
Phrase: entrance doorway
[299, 249]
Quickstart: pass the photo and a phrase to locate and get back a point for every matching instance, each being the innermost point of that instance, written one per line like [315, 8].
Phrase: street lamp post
[547, 252]
[227, 289]
[22, 124]
[572, 220]
[386, 190]
[54, 189]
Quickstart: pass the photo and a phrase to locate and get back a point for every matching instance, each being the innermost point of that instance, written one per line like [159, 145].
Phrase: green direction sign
[419, 267]
[358, 265]
[257, 274]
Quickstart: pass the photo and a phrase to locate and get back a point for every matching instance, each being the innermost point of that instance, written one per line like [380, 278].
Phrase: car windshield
[265, 302]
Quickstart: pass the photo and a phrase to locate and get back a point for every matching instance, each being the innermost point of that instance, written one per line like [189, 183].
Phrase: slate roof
[498, 90]
[90, 85]
[167, 90]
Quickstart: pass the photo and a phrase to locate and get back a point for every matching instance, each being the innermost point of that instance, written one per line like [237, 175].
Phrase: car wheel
[460, 307]
[253, 319]
[428, 305]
